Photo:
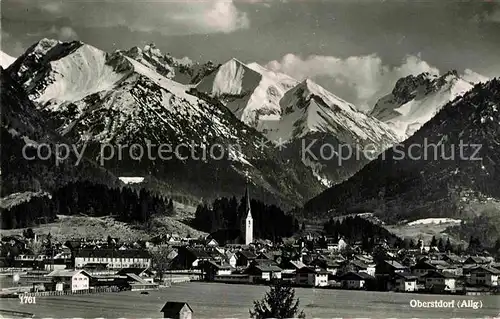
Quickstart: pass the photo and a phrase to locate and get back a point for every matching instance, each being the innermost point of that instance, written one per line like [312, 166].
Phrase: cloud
[361, 80]
[165, 16]
[63, 33]
[474, 77]
[214, 16]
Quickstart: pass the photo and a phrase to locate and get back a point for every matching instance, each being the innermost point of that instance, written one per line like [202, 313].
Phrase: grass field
[100, 227]
[214, 300]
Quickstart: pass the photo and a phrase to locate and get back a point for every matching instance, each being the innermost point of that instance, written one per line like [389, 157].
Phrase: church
[246, 222]
[242, 233]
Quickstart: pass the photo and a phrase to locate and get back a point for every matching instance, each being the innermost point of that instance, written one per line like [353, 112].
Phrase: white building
[113, 259]
[311, 277]
[439, 281]
[405, 282]
[70, 279]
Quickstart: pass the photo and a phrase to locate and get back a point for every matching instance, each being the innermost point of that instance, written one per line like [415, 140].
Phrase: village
[79, 266]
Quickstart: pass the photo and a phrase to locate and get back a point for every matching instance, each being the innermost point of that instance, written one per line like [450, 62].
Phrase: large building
[112, 259]
[246, 222]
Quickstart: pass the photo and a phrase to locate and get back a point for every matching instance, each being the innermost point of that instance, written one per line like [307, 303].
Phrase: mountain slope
[416, 99]
[298, 114]
[329, 134]
[6, 60]
[251, 92]
[181, 70]
[23, 131]
[120, 102]
[417, 180]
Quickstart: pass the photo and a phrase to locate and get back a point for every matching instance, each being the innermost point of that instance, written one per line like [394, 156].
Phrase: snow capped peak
[164, 64]
[308, 89]
[44, 45]
[309, 108]
[71, 71]
[416, 99]
[251, 92]
[6, 60]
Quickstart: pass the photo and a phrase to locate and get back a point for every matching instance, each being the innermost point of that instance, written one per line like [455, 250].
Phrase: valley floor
[215, 300]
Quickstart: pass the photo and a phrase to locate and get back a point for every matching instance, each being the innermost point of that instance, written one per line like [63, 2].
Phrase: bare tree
[160, 259]
[35, 247]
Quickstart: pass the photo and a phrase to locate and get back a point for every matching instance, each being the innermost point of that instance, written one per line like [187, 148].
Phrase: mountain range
[450, 165]
[295, 114]
[292, 141]
[93, 98]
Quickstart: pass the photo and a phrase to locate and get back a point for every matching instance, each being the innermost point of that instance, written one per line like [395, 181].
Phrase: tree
[448, 247]
[29, 234]
[441, 246]
[279, 302]
[433, 242]
[497, 244]
[35, 247]
[160, 260]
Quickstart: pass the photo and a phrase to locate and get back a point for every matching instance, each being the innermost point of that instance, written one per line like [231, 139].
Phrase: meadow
[215, 300]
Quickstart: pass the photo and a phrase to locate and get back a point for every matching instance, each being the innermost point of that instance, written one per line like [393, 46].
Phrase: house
[113, 259]
[357, 266]
[70, 279]
[143, 273]
[389, 268]
[484, 276]
[439, 281]
[137, 283]
[212, 269]
[477, 260]
[452, 259]
[177, 310]
[355, 280]
[405, 282]
[331, 265]
[245, 257]
[210, 242]
[190, 258]
[311, 277]
[263, 272]
[422, 267]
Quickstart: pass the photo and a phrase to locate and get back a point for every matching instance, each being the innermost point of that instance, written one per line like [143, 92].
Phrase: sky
[355, 48]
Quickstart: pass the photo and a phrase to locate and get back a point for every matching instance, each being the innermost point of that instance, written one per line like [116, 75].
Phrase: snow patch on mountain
[251, 92]
[132, 180]
[416, 99]
[77, 75]
[427, 221]
[309, 108]
[6, 60]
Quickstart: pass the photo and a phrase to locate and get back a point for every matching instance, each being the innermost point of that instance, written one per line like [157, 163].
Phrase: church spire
[246, 218]
[248, 209]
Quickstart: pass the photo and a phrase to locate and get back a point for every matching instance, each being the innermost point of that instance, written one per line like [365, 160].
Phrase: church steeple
[248, 208]
[247, 219]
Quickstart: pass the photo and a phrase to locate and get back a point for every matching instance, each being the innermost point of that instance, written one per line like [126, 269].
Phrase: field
[214, 300]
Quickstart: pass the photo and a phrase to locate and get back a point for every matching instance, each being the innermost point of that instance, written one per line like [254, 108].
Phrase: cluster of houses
[402, 270]
[84, 264]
